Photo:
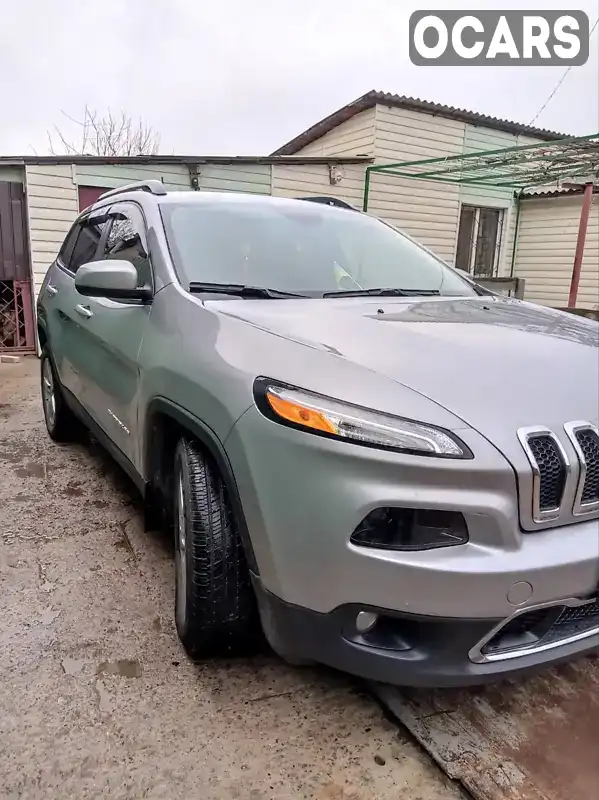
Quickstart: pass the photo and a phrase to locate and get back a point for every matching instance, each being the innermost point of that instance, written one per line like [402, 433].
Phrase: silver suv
[359, 454]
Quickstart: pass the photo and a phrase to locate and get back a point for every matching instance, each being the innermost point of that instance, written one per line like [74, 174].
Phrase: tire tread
[221, 616]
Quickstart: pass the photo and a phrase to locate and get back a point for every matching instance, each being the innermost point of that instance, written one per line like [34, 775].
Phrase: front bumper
[303, 495]
[438, 656]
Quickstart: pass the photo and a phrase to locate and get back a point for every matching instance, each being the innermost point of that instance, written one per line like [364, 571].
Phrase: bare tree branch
[107, 135]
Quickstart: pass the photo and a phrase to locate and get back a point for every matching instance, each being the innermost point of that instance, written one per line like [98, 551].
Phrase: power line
[559, 83]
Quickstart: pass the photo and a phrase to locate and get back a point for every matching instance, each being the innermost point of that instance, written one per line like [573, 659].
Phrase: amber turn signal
[300, 415]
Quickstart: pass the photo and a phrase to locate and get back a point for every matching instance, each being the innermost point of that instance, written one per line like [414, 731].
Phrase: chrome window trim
[524, 434]
[571, 429]
[478, 657]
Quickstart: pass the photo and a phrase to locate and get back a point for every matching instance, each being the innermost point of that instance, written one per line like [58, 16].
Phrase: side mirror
[114, 279]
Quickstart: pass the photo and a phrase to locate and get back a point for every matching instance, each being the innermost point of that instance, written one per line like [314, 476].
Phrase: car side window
[66, 251]
[126, 240]
[82, 243]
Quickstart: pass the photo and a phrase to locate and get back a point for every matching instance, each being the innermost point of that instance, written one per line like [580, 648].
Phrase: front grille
[572, 621]
[589, 445]
[552, 471]
[544, 626]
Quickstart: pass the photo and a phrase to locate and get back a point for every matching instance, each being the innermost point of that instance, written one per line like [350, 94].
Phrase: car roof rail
[152, 186]
[329, 201]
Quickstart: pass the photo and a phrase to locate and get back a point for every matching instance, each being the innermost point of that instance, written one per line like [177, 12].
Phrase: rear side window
[82, 243]
[66, 251]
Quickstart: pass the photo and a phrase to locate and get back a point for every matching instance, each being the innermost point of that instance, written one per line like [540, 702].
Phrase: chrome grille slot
[550, 468]
[552, 471]
[589, 444]
[585, 438]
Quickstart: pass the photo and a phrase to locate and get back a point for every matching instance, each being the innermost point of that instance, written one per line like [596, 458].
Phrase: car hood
[496, 363]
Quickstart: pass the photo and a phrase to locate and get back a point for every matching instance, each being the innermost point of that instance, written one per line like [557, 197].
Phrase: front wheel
[215, 607]
[61, 423]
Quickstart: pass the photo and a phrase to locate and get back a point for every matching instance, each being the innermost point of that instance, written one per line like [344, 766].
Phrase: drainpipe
[582, 233]
[516, 226]
[366, 189]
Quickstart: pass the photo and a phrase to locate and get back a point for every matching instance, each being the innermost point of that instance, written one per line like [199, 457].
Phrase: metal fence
[16, 317]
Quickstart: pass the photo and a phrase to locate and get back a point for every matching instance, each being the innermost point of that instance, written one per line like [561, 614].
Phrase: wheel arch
[42, 333]
[165, 422]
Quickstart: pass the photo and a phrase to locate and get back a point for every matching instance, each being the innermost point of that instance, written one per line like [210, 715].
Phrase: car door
[112, 331]
[61, 301]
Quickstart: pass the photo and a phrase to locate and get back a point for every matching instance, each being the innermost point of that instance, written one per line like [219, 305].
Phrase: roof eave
[374, 98]
[20, 161]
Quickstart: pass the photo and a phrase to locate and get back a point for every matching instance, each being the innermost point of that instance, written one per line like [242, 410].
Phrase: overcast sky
[241, 77]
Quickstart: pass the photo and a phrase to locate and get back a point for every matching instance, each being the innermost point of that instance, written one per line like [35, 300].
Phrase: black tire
[62, 425]
[215, 607]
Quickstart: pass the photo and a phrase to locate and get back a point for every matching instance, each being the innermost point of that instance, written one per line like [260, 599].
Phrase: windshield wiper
[383, 293]
[239, 290]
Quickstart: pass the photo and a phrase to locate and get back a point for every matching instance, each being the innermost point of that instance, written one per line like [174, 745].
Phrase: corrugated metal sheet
[14, 253]
[555, 191]
[52, 205]
[545, 249]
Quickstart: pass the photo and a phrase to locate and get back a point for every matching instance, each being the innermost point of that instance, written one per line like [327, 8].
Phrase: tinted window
[69, 243]
[88, 235]
[299, 247]
[126, 241]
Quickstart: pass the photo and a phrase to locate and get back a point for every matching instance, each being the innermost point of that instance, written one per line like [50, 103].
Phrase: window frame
[501, 219]
[124, 207]
[79, 224]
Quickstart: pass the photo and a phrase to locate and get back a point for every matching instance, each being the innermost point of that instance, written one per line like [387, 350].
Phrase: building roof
[170, 159]
[374, 98]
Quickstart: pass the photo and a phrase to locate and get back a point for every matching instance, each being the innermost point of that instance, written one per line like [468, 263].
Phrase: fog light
[365, 621]
[411, 529]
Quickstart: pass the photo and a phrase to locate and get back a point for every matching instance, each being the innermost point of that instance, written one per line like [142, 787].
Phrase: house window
[479, 238]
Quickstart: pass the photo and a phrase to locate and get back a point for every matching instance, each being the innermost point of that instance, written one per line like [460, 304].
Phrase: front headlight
[327, 417]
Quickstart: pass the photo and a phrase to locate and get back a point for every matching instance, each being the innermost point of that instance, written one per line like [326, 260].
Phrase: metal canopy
[562, 163]
[518, 168]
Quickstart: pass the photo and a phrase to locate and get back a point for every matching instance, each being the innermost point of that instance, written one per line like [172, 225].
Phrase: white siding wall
[545, 250]
[174, 176]
[352, 138]
[313, 179]
[251, 178]
[426, 210]
[52, 205]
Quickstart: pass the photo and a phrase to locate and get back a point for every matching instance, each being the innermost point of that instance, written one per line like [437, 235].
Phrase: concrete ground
[97, 698]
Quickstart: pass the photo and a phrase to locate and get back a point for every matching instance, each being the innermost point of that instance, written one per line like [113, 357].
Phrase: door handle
[52, 290]
[85, 311]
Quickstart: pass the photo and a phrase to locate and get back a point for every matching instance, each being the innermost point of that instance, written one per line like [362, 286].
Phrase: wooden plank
[21, 251]
[534, 739]
[7, 252]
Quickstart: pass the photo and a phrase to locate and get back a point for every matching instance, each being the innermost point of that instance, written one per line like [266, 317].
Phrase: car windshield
[299, 247]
